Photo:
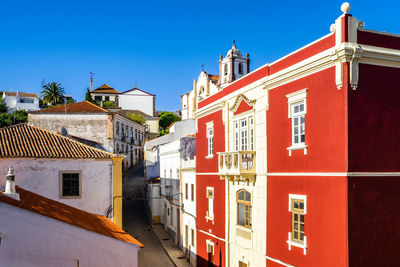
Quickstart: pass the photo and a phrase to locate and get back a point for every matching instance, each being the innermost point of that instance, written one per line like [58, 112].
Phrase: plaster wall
[154, 201]
[42, 176]
[49, 242]
[13, 104]
[136, 100]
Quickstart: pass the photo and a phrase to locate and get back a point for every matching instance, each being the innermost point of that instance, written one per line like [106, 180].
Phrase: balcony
[238, 166]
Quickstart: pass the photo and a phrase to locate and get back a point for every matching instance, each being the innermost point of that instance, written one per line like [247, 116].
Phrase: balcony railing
[237, 166]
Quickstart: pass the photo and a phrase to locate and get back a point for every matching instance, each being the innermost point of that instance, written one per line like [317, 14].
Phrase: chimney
[10, 185]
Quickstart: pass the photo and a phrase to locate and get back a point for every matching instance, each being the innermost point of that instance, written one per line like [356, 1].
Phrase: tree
[19, 116]
[109, 104]
[136, 118]
[166, 119]
[3, 106]
[52, 93]
[88, 97]
[71, 101]
[5, 119]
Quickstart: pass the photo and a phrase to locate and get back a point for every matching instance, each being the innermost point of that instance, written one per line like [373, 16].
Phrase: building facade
[137, 99]
[21, 101]
[115, 131]
[105, 93]
[64, 170]
[300, 146]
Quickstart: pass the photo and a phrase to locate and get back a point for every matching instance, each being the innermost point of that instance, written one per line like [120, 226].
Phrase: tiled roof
[80, 107]
[67, 214]
[27, 141]
[213, 77]
[105, 88]
[21, 94]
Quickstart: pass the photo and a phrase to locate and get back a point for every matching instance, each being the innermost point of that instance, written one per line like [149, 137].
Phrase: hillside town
[293, 163]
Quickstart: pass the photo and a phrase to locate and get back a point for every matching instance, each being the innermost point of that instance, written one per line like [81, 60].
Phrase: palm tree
[52, 93]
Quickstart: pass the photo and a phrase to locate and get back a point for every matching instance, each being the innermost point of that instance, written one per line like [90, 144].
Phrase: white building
[21, 101]
[136, 99]
[113, 130]
[188, 195]
[105, 93]
[62, 169]
[38, 231]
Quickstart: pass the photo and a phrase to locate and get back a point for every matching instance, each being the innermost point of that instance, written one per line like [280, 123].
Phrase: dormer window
[226, 69]
[240, 68]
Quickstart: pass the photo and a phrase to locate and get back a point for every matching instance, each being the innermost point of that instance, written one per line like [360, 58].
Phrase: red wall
[325, 221]
[377, 39]
[203, 165]
[374, 216]
[325, 126]
[374, 120]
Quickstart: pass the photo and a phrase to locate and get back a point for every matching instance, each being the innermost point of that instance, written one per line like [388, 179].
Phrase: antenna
[202, 67]
[91, 81]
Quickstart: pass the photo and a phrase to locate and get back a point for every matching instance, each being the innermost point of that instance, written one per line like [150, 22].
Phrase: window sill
[297, 147]
[244, 228]
[209, 156]
[209, 219]
[291, 243]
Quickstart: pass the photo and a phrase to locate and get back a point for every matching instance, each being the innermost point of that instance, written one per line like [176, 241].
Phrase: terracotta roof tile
[105, 88]
[80, 107]
[21, 94]
[67, 214]
[27, 141]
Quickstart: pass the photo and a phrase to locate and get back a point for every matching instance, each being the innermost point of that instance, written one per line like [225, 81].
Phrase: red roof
[80, 107]
[21, 94]
[27, 141]
[105, 88]
[67, 214]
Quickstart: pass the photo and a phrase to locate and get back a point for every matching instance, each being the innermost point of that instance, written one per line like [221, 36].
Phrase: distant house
[137, 99]
[63, 169]
[115, 131]
[21, 101]
[105, 93]
[38, 231]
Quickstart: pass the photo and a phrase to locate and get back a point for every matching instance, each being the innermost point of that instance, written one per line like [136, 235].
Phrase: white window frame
[210, 204]
[250, 132]
[210, 139]
[211, 244]
[294, 99]
[289, 241]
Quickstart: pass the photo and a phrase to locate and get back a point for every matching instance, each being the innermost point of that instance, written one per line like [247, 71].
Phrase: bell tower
[233, 66]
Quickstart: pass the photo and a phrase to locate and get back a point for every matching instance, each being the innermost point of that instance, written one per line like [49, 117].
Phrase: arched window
[226, 69]
[243, 199]
[240, 68]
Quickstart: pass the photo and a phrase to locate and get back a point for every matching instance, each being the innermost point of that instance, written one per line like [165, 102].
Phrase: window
[186, 191]
[226, 69]
[243, 134]
[297, 109]
[297, 220]
[236, 133]
[170, 173]
[177, 173]
[26, 100]
[172, 216]
[192, 195]
[192, 237]
[186, 236]
[240, 68]
[210, 139]
[117, 129]
[210, 196]
[70, 184]
[165, 173]
[118, 151]
[97, 98]
[244, 208]
[298, 210]
[106, 98]
[210, 250]
[251, 130]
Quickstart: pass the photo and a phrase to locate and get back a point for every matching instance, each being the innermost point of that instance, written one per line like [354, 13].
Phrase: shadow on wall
[211, 261]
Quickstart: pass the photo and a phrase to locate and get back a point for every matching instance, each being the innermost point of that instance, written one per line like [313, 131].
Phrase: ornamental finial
[345, 7]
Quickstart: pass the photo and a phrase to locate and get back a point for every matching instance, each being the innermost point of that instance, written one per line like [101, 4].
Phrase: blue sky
[160, 45]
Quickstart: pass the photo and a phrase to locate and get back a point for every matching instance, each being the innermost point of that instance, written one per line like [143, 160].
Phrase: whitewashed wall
[13, 104]
[189, 214]
[35, 240]
[137, 100]
[41, 176]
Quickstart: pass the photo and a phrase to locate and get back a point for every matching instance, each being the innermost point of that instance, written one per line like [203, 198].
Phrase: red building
[330, 150]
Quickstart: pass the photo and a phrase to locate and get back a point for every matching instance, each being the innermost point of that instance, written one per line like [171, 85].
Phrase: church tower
[233, 66]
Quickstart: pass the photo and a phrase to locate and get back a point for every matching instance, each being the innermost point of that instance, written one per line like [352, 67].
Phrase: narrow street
[136, 222]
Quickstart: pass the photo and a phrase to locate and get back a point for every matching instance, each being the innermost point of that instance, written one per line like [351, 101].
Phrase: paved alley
[136, 222]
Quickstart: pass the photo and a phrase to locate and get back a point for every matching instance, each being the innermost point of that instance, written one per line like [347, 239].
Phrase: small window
[70, 184]
[106, 98]
[226, 69]
[192, 195]
[177, 173]
[298, 220]
[98, 98]
[186, 191]
[192, 237]
[210, 139]
[297, 110]
[210, 197]
[210, 251]
[170, 173]
[117, 129]
[236, 133]
[240, 68]
[244, 208]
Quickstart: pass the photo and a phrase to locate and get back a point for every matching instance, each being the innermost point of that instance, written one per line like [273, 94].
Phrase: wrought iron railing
[237, 163]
